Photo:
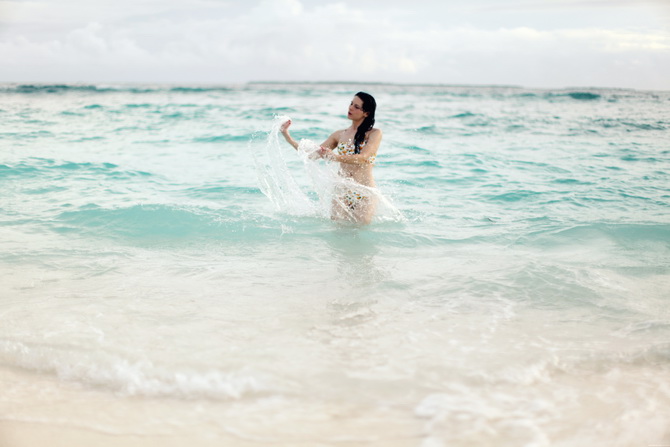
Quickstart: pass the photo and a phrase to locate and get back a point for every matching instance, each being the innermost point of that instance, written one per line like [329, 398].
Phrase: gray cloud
[211, 41]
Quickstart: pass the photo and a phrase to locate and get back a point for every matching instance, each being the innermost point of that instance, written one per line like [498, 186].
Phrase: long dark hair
[369, 106]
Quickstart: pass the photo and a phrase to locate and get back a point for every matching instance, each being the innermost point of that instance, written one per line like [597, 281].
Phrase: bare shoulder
[334, 138]
[375, 133]
[337, 135]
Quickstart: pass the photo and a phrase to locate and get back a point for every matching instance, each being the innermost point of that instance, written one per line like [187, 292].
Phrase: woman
[355, 148]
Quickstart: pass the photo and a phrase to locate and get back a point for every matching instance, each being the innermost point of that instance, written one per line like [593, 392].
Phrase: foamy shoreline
[39, 410]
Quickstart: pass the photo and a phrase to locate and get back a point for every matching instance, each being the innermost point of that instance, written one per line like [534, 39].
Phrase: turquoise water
[514, 290]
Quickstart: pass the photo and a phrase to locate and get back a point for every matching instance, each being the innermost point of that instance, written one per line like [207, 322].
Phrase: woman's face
[356, 112]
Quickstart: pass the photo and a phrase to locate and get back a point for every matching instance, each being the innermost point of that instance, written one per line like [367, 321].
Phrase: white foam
[129, 377]
[274, 177]
[282, 188]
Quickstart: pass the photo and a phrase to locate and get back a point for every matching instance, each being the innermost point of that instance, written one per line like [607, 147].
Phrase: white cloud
[273, 10]
[213, 41]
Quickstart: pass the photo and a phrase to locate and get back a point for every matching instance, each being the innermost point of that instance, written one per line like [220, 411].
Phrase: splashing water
[329, 190]
[275, 179]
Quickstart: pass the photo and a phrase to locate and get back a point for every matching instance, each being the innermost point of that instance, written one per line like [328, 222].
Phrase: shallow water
[517, 295]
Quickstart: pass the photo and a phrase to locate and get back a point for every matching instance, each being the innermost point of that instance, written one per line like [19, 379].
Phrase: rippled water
[518, 295]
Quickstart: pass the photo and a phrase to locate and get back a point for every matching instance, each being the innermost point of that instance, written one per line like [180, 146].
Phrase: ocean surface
[167, 264]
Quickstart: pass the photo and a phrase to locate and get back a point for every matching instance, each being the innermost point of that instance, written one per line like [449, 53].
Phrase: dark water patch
[139, 106]
[607, 197]
[86, 139]
[137, 90]
[607, 123]
[428, 130]
[584, 96]
[28, 135]
[222, 138]
[570, 181]
[157, 142]
[50, 88]
[44, 190]
[472, 159]
[579, 131]
[464, 115]
[173, 116]
[630, 126]
[525, 165]
[626, 195]
[160, 222]
[636, 158]
[93, 107]
[576, 95]
[19, 169]
[659, 125]
[97, 89]
[200, 89]
[562, 200]
[514, 196]
[71, 166]
[472, 119]
[414, 148]
[71, 113]
[515, 128]
[40, 122]
[127, 129]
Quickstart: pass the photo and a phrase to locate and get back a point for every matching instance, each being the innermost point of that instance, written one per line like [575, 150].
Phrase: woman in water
[355, 148]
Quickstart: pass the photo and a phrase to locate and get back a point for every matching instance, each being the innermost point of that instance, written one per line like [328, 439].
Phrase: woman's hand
[321, 152]
[287, 136]
[284, 127]
[324, 152]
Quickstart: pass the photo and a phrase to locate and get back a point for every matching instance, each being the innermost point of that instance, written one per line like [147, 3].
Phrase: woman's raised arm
[287, 136]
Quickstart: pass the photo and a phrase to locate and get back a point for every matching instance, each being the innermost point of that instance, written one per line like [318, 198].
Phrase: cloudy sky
[531, 43]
